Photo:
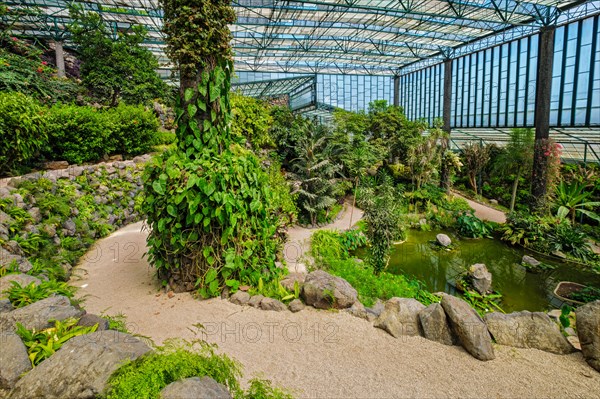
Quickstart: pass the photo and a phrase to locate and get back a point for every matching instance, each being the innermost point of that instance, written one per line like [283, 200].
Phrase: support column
[396, 90]
[60, 59]
[542, 115]
[446, 112]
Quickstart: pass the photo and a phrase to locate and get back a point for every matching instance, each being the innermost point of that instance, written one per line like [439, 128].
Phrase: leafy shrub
[471, 226]
[251, 120]
[282, 204]
[483, 303]
[22, 130]
[133, 129]
[21, 296]
[569, 239]
[148, 375]
[42, 344]
[78, 134]
[353, 239]
[383, 224]
[326, 244]
[211, 213]
[165, 138]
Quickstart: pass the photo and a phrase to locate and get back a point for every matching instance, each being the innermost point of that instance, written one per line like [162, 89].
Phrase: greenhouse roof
[381, 37]
[578, 144]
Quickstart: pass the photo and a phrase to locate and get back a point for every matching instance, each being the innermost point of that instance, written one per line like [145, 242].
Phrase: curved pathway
[317, 354]
[484, 212]
[298, 244]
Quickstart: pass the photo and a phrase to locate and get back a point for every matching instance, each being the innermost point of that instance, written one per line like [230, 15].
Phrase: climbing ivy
[208, 202]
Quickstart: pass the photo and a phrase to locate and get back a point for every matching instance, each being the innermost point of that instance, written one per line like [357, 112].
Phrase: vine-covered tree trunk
[208, 204]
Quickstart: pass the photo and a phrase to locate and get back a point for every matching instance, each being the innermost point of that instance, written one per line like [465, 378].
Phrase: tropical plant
[483, 303]
[274, 289]
[43, 344]
[313, 172]
[22, 130]
[423, 156]
[208, 201]
[563, 237]
[114, 68]
[573, 198]
[251, 121]
[382, 224]
[471, 226]
[517, 158]
[475, 156]
[21, 296]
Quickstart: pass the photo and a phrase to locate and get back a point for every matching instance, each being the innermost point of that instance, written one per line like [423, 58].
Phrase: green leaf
[192, 109]
[171, 210]
[215, 91]
[210, 276]
[189, 93]
[159, 187]
[210, 260]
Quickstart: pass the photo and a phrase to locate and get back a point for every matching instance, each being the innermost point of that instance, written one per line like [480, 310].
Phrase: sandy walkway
[319, 354]
[298, 243]
[484, 212]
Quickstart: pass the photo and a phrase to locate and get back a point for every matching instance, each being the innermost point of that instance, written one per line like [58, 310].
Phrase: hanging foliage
[208, 202]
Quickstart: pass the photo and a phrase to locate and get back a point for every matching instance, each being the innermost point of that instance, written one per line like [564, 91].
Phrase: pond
[521, 290]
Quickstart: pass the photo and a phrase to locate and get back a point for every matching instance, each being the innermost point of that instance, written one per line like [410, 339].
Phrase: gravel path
[484, 212]
[318, 354]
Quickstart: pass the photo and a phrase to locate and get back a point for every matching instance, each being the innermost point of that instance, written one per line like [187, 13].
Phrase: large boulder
[81, 368]
[443, 240]
[324, 291]
[482, 278]
[588, 330]
[527, 330]
[434, 325]
[468, 326]
[14, 360]
[38, 315]
[400, 316]
[195, 387]
[22, 279]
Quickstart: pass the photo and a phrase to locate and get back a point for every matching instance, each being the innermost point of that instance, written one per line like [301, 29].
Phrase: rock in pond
[443, 240]
[482, 278]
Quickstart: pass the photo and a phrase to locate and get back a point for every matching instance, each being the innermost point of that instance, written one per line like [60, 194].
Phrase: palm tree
[313, 172]
[518, 157]
[572, 198]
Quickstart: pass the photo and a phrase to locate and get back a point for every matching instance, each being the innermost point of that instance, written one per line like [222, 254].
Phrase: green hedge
[22, 130]
[72, 133]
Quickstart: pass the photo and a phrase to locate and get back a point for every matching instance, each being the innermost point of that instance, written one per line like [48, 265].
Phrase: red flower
[14, 39]
[44, 63]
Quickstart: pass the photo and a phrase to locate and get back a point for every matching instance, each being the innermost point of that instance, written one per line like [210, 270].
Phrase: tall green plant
[115, 67]
[382, 219]
[475, 156]
[208, 202]
[314, 172]
[517, 158]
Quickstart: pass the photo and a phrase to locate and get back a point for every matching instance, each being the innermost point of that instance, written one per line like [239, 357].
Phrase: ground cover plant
[178, 359]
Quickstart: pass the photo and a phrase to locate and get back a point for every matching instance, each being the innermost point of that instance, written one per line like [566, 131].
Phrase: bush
[78, 134]
[133, 129]
[22, 130]
[177, 360]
